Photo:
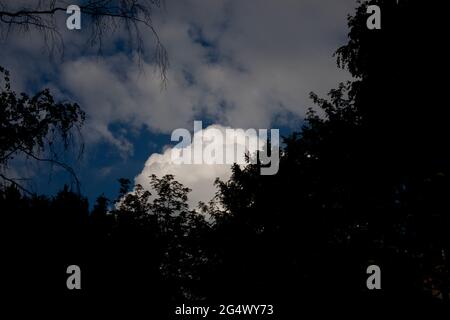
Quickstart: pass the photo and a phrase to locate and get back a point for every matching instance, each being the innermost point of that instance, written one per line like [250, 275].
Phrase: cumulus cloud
[200, 177]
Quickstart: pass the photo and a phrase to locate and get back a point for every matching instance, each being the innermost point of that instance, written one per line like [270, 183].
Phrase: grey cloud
[243, 64]
[270, 55]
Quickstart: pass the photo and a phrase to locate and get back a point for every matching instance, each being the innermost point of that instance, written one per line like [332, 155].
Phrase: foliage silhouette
[33, 127]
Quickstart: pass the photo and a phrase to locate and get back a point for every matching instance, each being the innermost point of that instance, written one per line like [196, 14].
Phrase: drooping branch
[16, 184]
[31, 127]
[104, 15]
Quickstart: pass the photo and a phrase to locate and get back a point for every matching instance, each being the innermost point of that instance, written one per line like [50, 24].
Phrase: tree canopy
[35, 127]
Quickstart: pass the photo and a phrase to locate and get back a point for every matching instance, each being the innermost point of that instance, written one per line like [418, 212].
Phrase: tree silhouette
[104, 17]
[364, 184]
[34, 126]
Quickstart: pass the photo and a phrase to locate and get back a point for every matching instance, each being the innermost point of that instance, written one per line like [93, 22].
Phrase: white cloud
[198, 177]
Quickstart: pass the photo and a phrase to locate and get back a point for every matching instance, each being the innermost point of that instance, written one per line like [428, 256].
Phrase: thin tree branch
[16, 184]
[54, 161]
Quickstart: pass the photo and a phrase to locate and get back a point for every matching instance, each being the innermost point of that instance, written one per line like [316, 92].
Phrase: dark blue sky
[229, 67]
